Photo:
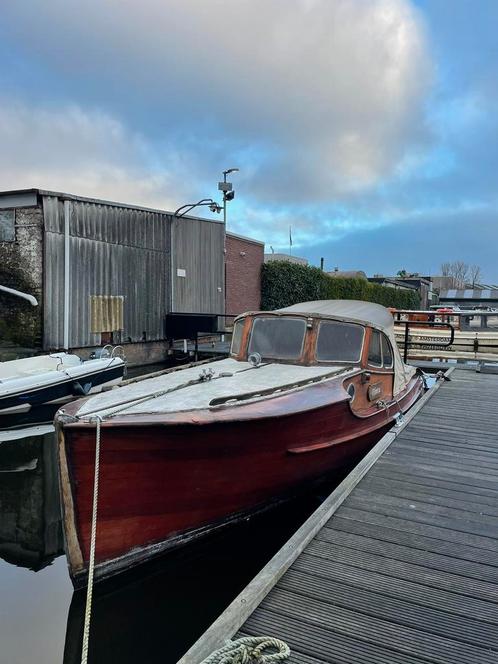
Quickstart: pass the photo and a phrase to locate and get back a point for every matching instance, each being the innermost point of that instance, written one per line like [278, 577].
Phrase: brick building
[244, 258]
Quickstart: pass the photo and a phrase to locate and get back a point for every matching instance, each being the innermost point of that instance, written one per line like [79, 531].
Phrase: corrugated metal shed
[118, 250]
[198, 266]
[113, 251]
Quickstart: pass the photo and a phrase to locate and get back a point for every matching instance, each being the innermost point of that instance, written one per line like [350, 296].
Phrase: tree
[445, 269]
[402, 273]
[475, 274]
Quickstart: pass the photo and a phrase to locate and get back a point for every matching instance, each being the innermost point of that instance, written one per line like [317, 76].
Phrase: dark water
[151, 614]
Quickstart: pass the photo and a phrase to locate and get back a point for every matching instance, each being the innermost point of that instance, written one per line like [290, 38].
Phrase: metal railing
[408, 343]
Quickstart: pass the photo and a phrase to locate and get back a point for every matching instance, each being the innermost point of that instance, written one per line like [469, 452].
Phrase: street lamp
[213, 206]
[228, 193]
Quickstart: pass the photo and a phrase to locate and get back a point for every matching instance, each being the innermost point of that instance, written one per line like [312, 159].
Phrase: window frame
[241, 321]
[390, 346]
[290, 360]
[338, 362]
[14, 234]
[382, 366]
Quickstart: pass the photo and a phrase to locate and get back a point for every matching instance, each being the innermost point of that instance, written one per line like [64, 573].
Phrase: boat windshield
[339, 342]
[278, 337]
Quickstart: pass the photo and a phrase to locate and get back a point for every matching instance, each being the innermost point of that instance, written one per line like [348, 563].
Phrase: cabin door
[372, 390]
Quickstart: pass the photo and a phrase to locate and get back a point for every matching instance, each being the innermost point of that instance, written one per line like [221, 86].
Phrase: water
[153, 613]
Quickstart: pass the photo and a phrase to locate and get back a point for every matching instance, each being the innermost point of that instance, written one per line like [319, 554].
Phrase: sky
[370, 127]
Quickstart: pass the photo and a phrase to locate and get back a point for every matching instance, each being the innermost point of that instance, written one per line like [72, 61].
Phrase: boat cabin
[310, 340]
[329, 332]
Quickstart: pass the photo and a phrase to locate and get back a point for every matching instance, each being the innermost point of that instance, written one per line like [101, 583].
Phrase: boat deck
[400, 564]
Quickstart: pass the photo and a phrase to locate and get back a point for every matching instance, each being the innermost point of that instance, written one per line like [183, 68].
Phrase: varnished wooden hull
[163, 482]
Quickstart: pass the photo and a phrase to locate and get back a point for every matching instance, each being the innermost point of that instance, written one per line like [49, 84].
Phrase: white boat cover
[230, 379]
[366, 313]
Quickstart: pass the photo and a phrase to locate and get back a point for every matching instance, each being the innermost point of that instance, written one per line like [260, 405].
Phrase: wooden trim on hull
[162, 486]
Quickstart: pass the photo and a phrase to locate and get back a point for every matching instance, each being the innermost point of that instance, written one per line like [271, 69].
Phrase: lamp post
[228, 193]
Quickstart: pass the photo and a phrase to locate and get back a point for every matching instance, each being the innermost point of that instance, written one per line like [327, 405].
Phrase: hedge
[284, 283]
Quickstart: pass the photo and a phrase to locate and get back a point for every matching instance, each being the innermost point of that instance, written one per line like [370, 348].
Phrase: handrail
[408, 343]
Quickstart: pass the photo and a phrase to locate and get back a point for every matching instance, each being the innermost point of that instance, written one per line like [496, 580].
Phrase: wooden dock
[400, 564]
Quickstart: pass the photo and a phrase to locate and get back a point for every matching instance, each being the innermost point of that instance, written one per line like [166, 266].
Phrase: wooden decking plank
[432, 495]
[420, 542]
[483, 524]
[418, 593]
[480, 535]
[468, 478]
[463, 442]
[409, 554]
[430, 577]
[438, 451]
[332, 647]
[395, 610]
[373, 630]
[487, 547]
[386, 472]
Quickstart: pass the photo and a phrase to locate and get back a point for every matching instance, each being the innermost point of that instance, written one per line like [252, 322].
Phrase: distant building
[469, 298]
[348, 274]
[244, 258]
[285, 257]
[423, 286]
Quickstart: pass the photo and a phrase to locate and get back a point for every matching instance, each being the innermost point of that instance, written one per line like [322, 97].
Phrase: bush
[284, 283]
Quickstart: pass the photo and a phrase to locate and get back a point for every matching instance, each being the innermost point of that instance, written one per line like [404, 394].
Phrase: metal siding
[198, 248]
[114, 251]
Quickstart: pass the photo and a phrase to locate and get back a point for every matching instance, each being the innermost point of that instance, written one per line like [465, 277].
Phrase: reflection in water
[30, 528]
[152, 613]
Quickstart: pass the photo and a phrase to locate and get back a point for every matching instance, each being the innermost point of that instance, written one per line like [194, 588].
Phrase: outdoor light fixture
[228, 193]
[213, 206]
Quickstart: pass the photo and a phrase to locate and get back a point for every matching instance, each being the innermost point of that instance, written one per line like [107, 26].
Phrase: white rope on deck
[250, 650]
[93, 539]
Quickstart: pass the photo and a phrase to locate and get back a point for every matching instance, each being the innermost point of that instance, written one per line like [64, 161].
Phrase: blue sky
[370, 127]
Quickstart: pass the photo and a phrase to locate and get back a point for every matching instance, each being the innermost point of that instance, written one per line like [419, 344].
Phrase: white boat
[51, 379]
[33, 381]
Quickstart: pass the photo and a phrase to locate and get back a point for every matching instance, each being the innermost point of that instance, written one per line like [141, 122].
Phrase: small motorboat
[30, 384]
[304, 392]
[46, 379]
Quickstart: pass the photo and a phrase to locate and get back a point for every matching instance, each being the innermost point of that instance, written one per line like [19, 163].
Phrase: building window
[7, 226]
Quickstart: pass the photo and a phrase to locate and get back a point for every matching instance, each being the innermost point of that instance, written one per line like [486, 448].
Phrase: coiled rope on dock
[250, 650]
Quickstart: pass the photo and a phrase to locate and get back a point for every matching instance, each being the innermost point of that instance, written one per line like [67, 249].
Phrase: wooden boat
[305, 391]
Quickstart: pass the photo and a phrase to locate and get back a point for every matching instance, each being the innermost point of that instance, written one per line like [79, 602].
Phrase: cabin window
[339, 342]
[279, 338]
[374, 350]
[238, 328]
[387, 354]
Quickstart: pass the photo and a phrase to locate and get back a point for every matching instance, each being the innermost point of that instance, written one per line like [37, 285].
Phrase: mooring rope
[250, 650]
[93, 538]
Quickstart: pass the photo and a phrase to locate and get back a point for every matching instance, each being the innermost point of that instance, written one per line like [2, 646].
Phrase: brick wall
[21, 267]
[244, 259]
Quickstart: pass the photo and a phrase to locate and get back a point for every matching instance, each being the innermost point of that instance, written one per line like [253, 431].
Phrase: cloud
[84, 152]
[326, 97]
